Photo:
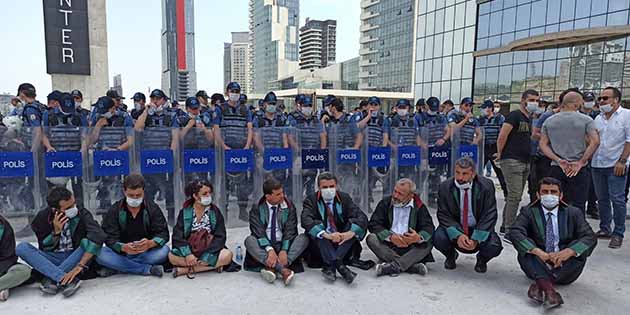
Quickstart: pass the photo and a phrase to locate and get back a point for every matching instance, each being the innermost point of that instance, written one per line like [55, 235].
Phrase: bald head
[572, 101]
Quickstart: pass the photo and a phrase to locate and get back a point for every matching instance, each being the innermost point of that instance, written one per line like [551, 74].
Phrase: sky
[134, 42]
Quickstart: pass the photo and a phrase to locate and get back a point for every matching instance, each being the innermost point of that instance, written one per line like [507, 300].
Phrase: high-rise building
[236, 61]
[273, 27]
[318, 44]
[179, 79]
[386, 41]
[118, 84]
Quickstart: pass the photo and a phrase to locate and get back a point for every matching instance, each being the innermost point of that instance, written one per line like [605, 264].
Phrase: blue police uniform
[467, 132]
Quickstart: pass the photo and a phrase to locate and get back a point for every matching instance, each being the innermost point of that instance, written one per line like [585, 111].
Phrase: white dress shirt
[400, 223]
[613, 135]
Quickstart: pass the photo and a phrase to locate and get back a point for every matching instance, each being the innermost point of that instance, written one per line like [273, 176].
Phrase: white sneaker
[4, 295]
[268, 275]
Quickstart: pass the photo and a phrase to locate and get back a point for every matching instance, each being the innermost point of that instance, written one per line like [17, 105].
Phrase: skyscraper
[179, 79]
[273, 27]
[386, 45]
[236, 61]
[318, 44]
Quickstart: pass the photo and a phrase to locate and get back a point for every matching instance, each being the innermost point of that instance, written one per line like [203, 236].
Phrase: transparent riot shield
[348, 162]
[311, 156]
[379, 168]
[409, 153]
[468, 142]
[21, 194]
[438, 158]
[107, 160]
[235, 170]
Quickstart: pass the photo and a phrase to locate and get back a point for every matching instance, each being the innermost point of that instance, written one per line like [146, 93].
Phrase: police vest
[113, 134]
[375, 130]
[435, 125]
[26, 133]
[309, 131]
[234, 126]
[195, 138]
[467, 132]
[405, 131]
[64, 131]
[491, 128]
[343, 139]
[158, 131]
[271, 131]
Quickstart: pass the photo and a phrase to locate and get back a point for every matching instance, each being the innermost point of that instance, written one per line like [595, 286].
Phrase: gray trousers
[515, 173]
[300, 243]
[403, 257]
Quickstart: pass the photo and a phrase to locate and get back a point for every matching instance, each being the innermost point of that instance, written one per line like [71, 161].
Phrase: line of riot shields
[94, 170]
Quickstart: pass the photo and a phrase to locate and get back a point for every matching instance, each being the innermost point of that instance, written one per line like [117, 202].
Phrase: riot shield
[312, 157]
[379, 170]
[468, 142]
[438, 158]
[409, 155]
[235, 170]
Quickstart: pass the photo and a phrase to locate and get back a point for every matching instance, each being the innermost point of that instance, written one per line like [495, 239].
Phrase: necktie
[465, 212]
[331, 219]
[274, 223]
[550, 238]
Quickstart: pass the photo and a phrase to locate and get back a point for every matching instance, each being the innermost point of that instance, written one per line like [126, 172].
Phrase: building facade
[118, 84]
[236, 61]
[551, 45]
[318, 44]
[179, 78]
[273, 41]
[386, 45]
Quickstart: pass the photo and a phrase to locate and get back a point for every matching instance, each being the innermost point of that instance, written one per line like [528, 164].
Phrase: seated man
[553, 240]
[68, 238]
[467, 213]
[334, 224]
[401, 228]
[136, 233]
[12, 274]
[274, 244]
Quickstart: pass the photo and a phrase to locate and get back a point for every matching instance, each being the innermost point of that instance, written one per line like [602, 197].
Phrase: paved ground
[603, 289]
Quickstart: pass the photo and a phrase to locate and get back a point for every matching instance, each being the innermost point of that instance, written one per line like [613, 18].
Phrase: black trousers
[487, 250]
[575, 188]
[535, 269]
[164, 184]
[333, 254]
[488, 152]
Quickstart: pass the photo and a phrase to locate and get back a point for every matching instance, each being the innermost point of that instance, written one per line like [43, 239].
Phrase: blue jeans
[610, 189]
[53, 265]
[134, 264]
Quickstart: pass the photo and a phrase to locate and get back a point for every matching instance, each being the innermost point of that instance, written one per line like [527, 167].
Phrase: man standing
[334, 224]
[513, 154]
[274, 245]
[401, 230]
[569, 139]
[464, 124]
[467, 214]
[491, 121]
[12, 274]
[77, 96]
[553, 240]
[139, 102]
[137, 233]
[609, 165]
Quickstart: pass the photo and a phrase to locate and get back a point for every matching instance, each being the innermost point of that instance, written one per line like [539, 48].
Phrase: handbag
[200, 241]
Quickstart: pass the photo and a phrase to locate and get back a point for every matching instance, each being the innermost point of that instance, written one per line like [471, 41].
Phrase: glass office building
[549, 46]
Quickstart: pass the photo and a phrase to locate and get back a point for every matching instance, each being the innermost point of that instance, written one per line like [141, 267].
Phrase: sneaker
[4, 295]
[157, 271]
[615, 242]
[450, 262]
[387, 269]
[603, 234]
[287, 275]
[49, 287]
[268, 275]
[71, 288]
[419, 269]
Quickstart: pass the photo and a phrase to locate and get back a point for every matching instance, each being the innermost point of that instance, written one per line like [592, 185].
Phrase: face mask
[497, 109]
[487, 112]
[589, 105]
[549, 201]
[77, 104]
[270, 108]
[606, 108]
[108, 115]
[328, 194]
[71, 212]
[234, 97]
[134, 203]
[403, 112]
[466, 185]
[431, 113]
[374, 114]
[307, 110]
[137, 106]
[206, 201]
[532, 107]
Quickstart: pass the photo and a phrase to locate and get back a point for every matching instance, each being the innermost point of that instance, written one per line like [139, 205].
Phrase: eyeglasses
[603, 98]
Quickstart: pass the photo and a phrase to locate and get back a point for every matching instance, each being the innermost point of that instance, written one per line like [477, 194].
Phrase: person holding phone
[68, 239]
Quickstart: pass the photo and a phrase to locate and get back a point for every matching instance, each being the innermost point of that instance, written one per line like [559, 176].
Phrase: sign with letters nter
[67, 36]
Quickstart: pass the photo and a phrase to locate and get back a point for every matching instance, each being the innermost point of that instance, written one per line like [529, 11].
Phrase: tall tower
[179, 78]
[236, 61]
[318, 44]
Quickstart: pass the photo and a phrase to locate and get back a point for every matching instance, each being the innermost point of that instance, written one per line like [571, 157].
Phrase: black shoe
[346, 273]
[502, 230]
[481, 266]
[603, 234]
[71, 288]
[615, 242]
[387, 269]
[362, 264]
[49, 287]
[418, 269]
[593, 214]
[450, 262]
[329, 274]
[157, 271]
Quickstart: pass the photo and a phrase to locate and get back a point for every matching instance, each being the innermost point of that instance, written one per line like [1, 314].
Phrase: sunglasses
[603, 98]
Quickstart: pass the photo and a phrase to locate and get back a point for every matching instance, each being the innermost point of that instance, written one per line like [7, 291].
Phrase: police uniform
[467, 132]
[31, 126]
[196, 138]
[405, 132]
[436, 126]
[491, 128]
[342, 134]
[309, 130]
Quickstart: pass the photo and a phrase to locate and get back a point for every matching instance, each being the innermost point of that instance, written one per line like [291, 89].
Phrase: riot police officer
[324, 115]
[139, 103]
[78, 102]
[421, 106]
[491, 121]
[233, 130]
[243, 99]
[196, 132]
[464, 123]
[64, 130]
[405, 131]
[203, 99]
[159, 129]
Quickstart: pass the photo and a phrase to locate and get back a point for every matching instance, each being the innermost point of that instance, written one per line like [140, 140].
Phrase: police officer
[491, 121]
[118, 103]
[464, 122]
[405, 132]
[139, 103]
[159, 129]
[590, 107]
[196, 132]
[310, 134]
[421, 106]
[233, 130]
[362, 112]
[78, 102]
[243, 99]
[325, 114]
[203, 99]
[64, 129]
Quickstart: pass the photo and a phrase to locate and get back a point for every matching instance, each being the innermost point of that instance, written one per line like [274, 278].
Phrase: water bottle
[239, 255]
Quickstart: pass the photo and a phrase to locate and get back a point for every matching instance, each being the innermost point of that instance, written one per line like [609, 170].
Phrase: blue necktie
[550, 238]
[273, 225]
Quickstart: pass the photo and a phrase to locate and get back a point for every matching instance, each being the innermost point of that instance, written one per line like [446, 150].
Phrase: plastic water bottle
[239, 254]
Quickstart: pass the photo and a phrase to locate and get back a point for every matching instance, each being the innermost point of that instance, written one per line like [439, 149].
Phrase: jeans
[515, 173]
[610, 190]
[53, 265]
[486, 250]
[134, 264]
[403, 257]
[575, 188]
[15, 276]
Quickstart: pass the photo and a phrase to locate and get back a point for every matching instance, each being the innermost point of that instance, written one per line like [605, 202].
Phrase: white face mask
[589, 105]
[328, 194]
[431, 112]
[71, 212]
[549, 201]
[532, 107]
[134, 203]
[206, 201]
[137, 106]
[606, 108]
[497, 109]
[466, 185]
[234, 97]
[108, 115]
[307, 111]
[77, 104]
[271, 109]
[403, 112]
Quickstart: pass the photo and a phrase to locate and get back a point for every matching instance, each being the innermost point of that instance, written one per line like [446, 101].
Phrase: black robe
[8, 257]
[183, 228]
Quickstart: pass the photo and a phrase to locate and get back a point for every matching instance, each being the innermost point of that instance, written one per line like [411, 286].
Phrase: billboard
[67, 36]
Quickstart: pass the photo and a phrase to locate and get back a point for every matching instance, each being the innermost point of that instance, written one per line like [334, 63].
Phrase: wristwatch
[622, 161]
